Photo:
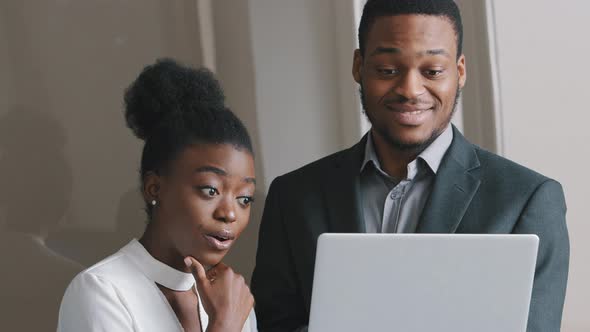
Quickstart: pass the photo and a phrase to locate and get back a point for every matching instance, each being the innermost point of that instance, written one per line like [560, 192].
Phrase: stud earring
[153, 202]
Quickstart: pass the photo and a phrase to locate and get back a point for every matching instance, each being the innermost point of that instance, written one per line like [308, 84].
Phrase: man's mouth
[408, 108]
[415, 112]
[410, 115]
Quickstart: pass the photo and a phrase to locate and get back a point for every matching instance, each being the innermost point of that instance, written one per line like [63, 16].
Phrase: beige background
[69, 166]
[542, 60]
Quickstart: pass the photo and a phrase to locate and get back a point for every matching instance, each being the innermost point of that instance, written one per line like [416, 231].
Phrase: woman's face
[203, 202]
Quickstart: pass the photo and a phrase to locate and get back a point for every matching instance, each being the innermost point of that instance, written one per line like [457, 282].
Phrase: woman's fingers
[197, 269]
[225, 295]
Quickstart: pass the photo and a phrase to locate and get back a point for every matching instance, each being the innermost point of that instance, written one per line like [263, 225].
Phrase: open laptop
[422, 282]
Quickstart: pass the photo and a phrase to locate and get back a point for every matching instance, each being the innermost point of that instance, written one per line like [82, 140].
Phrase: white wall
[543, 69]
[294, 60]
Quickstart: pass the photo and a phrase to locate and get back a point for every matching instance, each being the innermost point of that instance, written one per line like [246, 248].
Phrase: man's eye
[387, 71]
[434, 72]
[209, 191]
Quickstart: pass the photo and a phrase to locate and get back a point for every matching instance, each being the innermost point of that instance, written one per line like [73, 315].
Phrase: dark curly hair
[378, 8]
[171, 106]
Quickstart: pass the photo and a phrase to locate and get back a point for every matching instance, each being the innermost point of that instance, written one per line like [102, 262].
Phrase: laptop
[422, 282]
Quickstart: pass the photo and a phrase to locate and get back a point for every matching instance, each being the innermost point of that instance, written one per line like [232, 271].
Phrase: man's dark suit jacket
[474, 191]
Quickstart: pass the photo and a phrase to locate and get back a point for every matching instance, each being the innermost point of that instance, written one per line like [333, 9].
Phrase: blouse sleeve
[93, 304]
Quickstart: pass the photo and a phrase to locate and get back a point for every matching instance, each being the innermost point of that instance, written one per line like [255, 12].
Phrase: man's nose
[410, 85]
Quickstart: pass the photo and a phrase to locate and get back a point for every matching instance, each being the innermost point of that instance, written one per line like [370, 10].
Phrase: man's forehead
[428, 34]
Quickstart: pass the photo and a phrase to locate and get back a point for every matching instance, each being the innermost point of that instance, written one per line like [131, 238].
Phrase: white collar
[157, 271]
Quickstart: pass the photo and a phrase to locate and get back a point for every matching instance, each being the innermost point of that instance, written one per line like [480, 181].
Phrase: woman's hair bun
[166, 92]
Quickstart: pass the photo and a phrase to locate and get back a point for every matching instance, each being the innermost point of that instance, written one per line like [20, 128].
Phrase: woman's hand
[225, 296]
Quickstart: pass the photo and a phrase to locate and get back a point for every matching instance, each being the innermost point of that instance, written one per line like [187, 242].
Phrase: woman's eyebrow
[211, 169]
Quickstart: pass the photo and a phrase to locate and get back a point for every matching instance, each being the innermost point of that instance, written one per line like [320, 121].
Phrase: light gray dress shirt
[394, 205]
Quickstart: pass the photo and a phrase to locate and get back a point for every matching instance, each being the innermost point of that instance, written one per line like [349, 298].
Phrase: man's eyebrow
[438, 51]
[249, 180]
[211, 169]
[386, 50]
[395, 50]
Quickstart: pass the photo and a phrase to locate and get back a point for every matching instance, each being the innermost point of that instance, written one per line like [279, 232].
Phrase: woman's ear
[151, 187]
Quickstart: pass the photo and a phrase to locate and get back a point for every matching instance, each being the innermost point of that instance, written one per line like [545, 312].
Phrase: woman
[197, 176]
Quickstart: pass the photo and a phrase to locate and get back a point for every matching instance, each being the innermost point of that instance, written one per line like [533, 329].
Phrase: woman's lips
[220, 240]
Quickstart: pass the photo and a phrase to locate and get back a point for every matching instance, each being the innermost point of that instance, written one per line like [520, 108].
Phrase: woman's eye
[209, 191]
[246, 200]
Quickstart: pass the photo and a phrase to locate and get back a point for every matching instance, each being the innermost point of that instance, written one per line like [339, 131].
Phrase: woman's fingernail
[188, 262]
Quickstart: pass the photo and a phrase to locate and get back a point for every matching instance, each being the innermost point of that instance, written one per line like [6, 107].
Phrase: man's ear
[357, 65]
[462, 70]
[151, 186]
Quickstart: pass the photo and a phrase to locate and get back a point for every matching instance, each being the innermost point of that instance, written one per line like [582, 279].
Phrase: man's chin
[411, 142]
[411, 139]
[409, 145]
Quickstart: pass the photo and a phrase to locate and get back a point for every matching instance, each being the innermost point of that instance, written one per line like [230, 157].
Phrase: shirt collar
[435, 152]
[157, 271]
[432, 155]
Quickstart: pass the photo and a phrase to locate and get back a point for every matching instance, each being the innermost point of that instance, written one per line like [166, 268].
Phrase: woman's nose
[226, 211]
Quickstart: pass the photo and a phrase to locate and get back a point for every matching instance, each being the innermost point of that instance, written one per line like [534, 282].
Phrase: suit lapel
[342, 192]
[453, 189]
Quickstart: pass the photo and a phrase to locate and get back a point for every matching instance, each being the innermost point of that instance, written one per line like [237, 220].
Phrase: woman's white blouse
[120, 294]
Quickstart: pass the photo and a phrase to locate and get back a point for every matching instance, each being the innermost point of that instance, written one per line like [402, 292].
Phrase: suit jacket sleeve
[544, 215]
[279, 302]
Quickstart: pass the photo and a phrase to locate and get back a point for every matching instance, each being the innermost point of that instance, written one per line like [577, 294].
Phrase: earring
[153, 202]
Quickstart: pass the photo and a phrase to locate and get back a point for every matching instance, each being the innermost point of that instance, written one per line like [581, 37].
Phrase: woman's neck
[161, 248]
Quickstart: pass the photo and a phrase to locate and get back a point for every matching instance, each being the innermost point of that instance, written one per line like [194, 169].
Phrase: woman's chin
[208, 260]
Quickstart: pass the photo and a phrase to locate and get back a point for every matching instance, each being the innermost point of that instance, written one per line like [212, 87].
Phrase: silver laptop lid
[422, 282]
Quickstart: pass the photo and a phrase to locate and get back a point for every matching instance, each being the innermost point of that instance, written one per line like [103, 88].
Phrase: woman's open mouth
[220, 240]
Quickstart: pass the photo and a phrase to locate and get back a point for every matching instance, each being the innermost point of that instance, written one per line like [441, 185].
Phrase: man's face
[410, 78]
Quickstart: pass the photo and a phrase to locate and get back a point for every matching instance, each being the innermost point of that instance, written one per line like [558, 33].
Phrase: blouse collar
[157, 271]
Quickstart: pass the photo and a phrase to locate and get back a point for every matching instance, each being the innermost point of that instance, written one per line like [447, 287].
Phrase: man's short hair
[379, 8]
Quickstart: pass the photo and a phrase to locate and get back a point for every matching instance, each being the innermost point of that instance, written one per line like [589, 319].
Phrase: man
[412, 173]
